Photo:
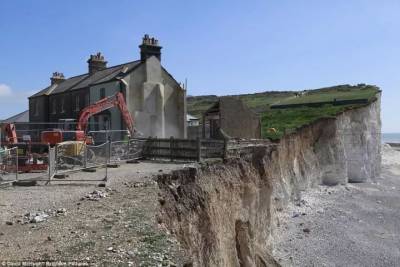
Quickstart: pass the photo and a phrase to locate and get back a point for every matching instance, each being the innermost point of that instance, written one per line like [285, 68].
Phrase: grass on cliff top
[290, 119]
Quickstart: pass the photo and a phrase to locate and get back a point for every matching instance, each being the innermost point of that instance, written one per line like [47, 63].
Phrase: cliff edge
[226, 214]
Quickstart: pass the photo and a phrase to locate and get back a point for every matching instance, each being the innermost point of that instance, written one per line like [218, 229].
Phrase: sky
[221, 47]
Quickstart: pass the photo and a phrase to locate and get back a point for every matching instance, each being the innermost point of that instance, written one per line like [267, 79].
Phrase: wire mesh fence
[126, 150]
[70, 159]
[9, 165]
[73, 159]
[32, 131]
[103, 136]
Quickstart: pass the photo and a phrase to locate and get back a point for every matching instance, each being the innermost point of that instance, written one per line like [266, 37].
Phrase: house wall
[238, 121]
[83, 95]
[63, 108]
[156, 101]
[42, 104]
[135, 99]
[175, 107]
[114, 114]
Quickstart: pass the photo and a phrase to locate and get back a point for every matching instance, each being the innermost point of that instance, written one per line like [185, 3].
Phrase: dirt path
[353, 225]
[118, 228]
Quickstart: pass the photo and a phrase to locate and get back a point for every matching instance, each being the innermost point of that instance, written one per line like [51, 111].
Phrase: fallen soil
[353, 225]
[112, 226]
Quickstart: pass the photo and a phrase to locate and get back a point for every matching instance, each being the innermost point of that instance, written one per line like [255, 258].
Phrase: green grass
[288, 120]
[345, 93]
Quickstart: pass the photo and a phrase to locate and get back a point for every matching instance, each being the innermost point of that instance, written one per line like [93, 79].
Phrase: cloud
[10, 95]
[5, 90]
[12, 101]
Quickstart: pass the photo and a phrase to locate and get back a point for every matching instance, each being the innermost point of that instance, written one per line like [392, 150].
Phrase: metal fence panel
[52, 162]
[9, 165]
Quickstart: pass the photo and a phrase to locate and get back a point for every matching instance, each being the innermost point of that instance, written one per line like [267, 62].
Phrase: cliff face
[224, 214]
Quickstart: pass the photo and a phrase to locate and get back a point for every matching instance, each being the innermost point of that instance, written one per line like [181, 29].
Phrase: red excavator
[10, 133]
[31, 157]
[56, 136]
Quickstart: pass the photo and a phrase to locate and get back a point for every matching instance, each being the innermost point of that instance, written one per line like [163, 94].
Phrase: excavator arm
[116, 100]
[11, 133]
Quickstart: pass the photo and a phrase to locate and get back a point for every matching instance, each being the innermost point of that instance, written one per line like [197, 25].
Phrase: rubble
[37, 217]
[141, 184]
[96, 195]
[61, 211]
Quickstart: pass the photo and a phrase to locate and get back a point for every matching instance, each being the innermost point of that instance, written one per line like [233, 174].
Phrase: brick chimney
[57, 78]
[96, 63]
[149, 47]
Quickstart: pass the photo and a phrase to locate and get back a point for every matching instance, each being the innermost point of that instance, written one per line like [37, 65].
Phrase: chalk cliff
[225, 214]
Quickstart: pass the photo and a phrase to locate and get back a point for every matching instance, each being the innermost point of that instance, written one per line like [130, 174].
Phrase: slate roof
[20, 117]
[86, 80]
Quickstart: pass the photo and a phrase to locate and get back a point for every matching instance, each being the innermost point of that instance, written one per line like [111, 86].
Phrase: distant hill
[290, 119]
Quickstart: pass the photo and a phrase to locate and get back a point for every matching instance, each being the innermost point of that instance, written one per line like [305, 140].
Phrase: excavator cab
[66, 131]
[56, 136]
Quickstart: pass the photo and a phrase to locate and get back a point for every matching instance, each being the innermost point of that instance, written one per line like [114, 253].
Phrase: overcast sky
[221, 47]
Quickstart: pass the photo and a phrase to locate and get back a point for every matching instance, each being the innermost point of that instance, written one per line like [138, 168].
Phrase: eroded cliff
[225, 214]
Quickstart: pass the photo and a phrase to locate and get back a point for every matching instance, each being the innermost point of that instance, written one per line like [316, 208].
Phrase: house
[193, 127]
[154, 98]
[192, 120]
[230, 117]
[22, 117]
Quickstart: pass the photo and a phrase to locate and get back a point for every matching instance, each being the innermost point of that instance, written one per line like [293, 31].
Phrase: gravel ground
[112, 226]
[352, 225]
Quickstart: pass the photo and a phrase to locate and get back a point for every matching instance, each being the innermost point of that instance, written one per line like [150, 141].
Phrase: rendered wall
[156, 101]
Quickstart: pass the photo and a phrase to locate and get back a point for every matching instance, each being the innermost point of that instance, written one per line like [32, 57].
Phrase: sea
[390, 137]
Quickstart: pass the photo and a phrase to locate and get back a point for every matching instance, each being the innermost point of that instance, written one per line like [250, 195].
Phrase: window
[54, 106]
[87, 100]
[77, 107]
[102, 93]
[35, 107]
[63, 105]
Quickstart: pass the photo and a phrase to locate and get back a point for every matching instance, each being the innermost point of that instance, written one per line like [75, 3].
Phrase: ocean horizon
[390, 137]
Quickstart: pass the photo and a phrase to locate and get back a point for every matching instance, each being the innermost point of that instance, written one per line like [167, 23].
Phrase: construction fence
[68, 160]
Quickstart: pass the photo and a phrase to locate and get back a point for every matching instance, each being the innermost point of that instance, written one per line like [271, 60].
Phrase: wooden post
[198, 149]
[171, 148]
[225, 152]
